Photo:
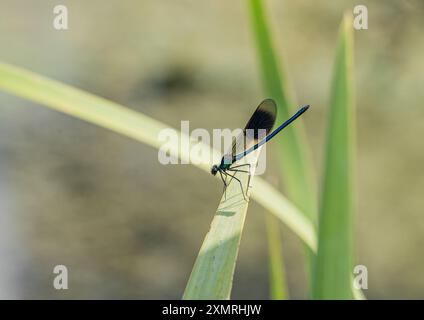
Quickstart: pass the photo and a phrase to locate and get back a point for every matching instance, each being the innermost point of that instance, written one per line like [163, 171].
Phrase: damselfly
[249, 140]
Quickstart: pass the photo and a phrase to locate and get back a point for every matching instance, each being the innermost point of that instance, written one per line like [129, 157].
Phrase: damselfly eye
[214, 170]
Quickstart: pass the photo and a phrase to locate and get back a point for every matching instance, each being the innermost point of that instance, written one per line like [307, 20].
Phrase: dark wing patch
[263, 118]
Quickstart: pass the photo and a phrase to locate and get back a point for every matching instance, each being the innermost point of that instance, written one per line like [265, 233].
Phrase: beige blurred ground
[128, 227]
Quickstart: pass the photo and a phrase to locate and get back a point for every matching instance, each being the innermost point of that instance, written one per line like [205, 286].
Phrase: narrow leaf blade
[213, 271]
[296, 168]
[297, 171]
[333, 275]
[277, 277]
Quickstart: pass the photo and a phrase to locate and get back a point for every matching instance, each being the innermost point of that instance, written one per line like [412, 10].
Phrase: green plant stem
[277, 277]
[333, 277]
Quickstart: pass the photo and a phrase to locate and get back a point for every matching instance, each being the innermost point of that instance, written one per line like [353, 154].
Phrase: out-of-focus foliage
[334, 267]
[194, 61]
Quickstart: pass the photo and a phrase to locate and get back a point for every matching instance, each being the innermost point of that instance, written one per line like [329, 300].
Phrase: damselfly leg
[233, 176]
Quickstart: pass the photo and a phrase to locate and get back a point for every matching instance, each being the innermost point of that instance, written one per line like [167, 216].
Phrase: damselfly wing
[258, 127]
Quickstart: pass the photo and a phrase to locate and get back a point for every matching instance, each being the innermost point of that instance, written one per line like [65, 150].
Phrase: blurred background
[127, 227]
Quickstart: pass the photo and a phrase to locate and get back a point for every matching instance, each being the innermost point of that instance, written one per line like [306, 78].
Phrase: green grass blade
[80, 104]
[137, 126]
[297, 171]
[277, 279]
[333, 277]
[213, 271]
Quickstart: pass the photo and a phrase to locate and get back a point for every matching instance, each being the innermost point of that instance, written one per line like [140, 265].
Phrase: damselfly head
[214, 169]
